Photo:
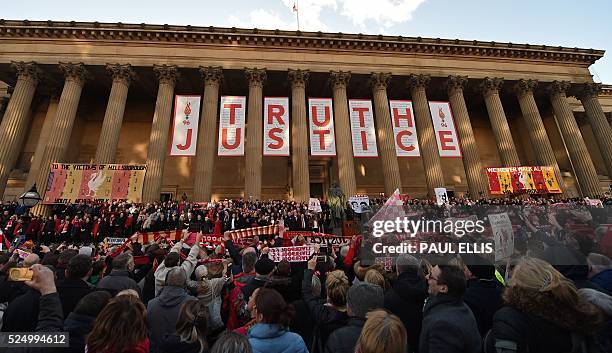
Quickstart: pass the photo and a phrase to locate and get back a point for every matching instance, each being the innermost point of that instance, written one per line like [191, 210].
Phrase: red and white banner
[322, 135]
[362, 128]
[444, 126]
[404, 129]
[255, 231]
[276, 126]
[185, 128]
[231, 126]
[291, 253]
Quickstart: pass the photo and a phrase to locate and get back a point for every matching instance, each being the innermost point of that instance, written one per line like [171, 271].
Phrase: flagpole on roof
[296, 9]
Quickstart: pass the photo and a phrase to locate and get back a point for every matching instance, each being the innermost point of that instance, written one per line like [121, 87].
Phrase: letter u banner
[185, 128]
[322, 133]
[231, 126]
[276, 126]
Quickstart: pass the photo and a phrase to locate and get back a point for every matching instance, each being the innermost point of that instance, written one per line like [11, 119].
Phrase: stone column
[384, 132]
[59, 137]
[499, 123]
[535, 127]
[205, 152]
[16, 118]
[113, 118]
[254, 138]
[344, 145]
[599, 122]
[475, 175]
[158, 141]
[576, 148]
[426, 133]
[42, 141]
[299, 136]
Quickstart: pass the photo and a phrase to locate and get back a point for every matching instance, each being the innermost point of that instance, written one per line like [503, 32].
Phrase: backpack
[233, 309]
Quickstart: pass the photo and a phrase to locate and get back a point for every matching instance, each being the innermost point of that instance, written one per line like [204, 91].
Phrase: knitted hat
[363, 297]
[264, 266]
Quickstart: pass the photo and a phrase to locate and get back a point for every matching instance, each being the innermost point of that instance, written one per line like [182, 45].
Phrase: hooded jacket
[271, 338]
[188, 265]
[162, 313]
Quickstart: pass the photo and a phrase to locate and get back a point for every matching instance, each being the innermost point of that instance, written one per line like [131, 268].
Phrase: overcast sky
[584, 24]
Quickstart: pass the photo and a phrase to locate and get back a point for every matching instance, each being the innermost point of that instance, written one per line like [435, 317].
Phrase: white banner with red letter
[231, 126]
[444, 126]
[276, 126]
[362, 128]
[185, 128]
[404, 129]
[321, 121]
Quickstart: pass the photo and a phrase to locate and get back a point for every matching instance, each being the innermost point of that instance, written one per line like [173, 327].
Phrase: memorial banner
[276, 126]
[291, 253]
[522, 179]
[231, 126]
[362, 128]
[359, 203]
[404, 129]
[503, 235]
[444, 127]
[73, 183]
[314, 205]
[185, 128]
[321, 122]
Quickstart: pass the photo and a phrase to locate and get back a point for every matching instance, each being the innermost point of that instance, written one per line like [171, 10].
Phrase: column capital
[211, 74]
[27, 70]
[298, 78]
[339, 79]
[523, 86]
[121, 72]
[418, 81]
[166, 73]
[455, 83]
[558, 87]
[588, 90]
[380, 80]
[255, 76]
[491, 85]
[73, 71]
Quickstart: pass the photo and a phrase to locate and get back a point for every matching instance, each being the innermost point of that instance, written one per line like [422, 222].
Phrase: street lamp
[29, 198]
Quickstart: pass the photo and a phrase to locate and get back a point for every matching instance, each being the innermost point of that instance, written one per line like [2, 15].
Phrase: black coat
[71, 290]
[484, 299]
[406, 299]
[448, 327]
[21, 314]
[344, 339]
[78, 326]
[172, 344]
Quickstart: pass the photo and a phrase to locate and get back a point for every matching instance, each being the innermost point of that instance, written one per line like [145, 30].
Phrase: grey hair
[201, 272]
[176, 277]
[407, 262]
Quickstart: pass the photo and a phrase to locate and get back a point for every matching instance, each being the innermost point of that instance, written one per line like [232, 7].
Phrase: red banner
[540, 180]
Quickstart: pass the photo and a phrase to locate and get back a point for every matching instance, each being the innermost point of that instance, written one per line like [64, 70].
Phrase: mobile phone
[20, 274]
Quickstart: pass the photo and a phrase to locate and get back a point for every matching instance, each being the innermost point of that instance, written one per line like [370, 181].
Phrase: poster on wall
[185, 127]
[537, 179]
[362, 128]
[404, 129]
[321, 122]
[445, 130]
[73, 183]
[231, 126]
[276, 126]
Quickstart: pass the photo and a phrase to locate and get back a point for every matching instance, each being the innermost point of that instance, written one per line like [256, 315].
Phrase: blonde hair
[375, 277]
[382, 333]
[337, 286]
[538, 275]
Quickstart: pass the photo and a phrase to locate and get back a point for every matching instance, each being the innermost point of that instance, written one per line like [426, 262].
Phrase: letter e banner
[444, 127]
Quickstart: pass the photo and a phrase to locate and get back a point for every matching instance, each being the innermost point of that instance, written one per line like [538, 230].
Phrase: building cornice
[292, 39]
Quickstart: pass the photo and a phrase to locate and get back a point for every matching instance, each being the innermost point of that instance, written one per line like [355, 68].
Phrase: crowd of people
[180, 296]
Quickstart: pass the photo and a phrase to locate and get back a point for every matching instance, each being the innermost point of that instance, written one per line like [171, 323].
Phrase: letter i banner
[185, 127]
[444, 127]
[231, 126]
[321, 122]
[362, 128]
[276, 126]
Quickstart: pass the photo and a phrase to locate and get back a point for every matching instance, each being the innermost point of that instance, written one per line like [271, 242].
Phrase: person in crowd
[119, 277]
[231, 342]
[120, 327]
[75, 286]
[304, 326]
[382, 333]
[361, 298]
[270, 334]
[63, 261]
[208, 291]
[163, 311]
[173, 259]
[543, 312]
[483, 293]
[263, 270]
[80, 321]
[407, 296]
[448, 323]
[600, 271]
[374, 276]
[191, 330]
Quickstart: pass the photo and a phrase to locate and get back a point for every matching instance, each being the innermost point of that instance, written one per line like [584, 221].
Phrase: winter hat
[264, 266]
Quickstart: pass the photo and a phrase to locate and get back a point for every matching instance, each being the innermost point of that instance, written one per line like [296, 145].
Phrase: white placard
[404, 129]
[291, 253]
[276, 126]
[314, 205]
[185, 127]
[231, 126]
[358, 203]
[444, 126]
[503, 235]
[321, 121]
[441, 196]
[362, 128]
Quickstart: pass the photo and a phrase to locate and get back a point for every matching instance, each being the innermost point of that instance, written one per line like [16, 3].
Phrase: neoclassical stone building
[79, 92]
